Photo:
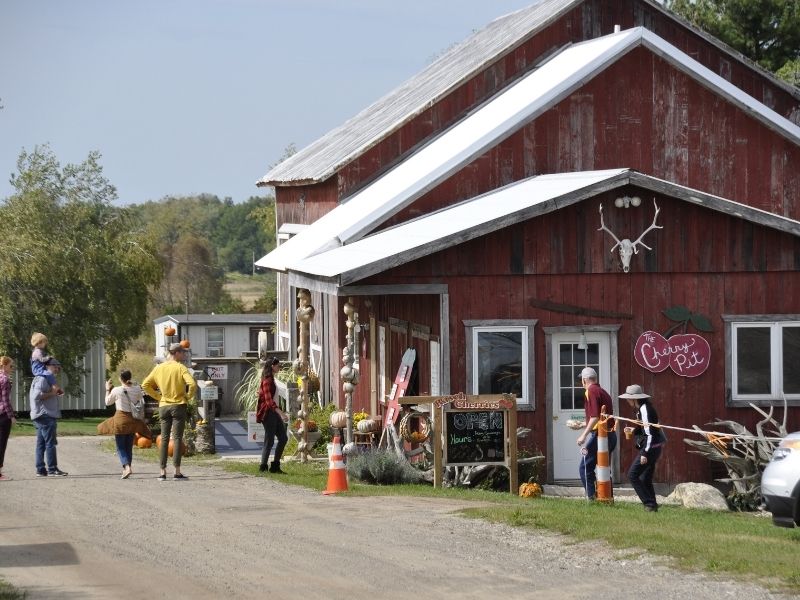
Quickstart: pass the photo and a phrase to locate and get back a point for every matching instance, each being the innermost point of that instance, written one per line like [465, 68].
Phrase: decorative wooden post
[349, 373]
[305, 314]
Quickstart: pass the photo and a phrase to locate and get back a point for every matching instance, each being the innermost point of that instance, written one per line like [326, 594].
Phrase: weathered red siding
[567, 261]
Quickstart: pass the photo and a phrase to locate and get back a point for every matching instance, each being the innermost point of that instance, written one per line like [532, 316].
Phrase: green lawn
[79, 426]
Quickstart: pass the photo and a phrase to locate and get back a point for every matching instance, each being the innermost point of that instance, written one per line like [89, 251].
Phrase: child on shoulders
[39, 359]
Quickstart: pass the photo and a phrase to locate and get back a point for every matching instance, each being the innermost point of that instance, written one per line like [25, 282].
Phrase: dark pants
[589, 462]
[641, 477]
[173, 420]
[5, 431]
[273, 427]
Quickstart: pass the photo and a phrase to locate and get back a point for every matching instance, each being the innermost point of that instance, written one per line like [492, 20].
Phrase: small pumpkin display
[144, 442]
[298, 424]
[185, 344]
[339, 419]
[368, 425]
[171, 448]
[158, 441]
[530, 490]
[169, 331]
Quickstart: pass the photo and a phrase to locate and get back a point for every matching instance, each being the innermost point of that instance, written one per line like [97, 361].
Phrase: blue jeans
[589, 462]
[124, 448]
[46, 430]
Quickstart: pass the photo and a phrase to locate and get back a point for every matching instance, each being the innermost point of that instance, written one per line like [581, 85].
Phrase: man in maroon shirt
[596, 399]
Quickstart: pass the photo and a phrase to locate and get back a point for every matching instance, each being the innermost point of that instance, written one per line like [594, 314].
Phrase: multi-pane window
[573, 359]
[215, 341]
[763, 360]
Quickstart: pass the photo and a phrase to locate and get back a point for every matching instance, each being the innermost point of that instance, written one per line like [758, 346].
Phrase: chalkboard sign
[474, 437]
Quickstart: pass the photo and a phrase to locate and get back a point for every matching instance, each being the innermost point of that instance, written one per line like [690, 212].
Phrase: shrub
[382, 467]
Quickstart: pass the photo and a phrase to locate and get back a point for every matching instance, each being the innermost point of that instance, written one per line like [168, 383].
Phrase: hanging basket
[415, 436]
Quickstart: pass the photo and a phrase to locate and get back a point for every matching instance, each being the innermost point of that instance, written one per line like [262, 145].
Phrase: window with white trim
[500, 359]
[215, 341]
[764, 354]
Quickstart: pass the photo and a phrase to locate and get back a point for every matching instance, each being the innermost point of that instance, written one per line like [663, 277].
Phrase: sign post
[474, 430]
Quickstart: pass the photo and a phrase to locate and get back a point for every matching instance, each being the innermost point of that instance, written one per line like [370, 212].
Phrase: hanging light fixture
[582, 345]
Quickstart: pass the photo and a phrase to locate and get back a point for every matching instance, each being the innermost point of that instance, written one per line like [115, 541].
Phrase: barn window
[763, 358]
[215, 341]
[500, 359]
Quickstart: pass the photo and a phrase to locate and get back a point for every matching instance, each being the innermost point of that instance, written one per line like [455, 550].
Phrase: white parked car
[780, 482]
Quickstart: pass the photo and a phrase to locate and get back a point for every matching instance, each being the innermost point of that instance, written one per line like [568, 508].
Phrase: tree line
[78, 268]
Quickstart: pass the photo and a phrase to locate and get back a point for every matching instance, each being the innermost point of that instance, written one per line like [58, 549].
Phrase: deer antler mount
[628, 248]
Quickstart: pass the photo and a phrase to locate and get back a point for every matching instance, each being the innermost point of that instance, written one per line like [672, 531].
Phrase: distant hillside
[250, 288]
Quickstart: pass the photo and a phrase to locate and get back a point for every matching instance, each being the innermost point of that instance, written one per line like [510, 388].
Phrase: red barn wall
[712, 263]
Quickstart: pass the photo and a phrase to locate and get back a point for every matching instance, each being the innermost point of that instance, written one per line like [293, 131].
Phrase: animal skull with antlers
[628, 248]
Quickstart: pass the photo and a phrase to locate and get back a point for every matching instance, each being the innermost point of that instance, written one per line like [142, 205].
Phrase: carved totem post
[349, 373]
[305, 314]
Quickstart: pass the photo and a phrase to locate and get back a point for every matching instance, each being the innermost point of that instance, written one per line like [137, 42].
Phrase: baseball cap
[588, 373]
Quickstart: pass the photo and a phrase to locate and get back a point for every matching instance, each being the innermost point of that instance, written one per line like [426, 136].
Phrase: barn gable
[504, 50]
[497, 119]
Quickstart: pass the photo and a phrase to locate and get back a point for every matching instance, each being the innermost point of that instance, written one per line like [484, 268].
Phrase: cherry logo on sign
[687, 354]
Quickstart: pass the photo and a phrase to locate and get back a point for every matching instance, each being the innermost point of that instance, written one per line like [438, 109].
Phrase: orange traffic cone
[337, 473]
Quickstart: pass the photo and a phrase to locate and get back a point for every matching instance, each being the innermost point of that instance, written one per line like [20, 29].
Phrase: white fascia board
[457, 146]
[464, 221]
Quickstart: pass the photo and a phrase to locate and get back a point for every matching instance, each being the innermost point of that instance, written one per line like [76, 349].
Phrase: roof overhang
[492, 212]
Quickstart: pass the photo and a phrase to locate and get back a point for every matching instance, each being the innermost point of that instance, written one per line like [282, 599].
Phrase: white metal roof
[495, 210]
[488, 125]
[326, 155]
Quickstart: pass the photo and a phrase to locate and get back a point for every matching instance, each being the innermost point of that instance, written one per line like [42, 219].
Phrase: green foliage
[684, 316]
[790, 72]
[382, 467]
[246, 392]
[745, 501]
[73, 266]
[766, 31]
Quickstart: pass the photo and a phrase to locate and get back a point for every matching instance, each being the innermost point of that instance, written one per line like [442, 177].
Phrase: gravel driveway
[224, 535]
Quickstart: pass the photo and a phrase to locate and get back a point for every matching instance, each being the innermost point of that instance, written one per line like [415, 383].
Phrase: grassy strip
[738, 545]
[82, 426]
[9, 592]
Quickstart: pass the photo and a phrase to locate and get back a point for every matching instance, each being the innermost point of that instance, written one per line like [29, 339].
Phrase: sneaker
[162, 477]
[179, 476]
[41, 473]
[4, 478]
[58, 473]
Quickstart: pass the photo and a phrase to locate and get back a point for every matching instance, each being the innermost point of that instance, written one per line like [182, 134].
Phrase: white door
[568, 359]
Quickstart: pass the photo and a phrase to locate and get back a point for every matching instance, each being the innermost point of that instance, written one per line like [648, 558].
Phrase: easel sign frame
[461, 403]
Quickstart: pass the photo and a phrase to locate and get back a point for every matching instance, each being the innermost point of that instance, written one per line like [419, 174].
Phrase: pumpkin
[144, 442]
[169, 331]
[530, 490]
[158, 441]
[367, 425]
[185, 344]
[339, 419]
[171, 448]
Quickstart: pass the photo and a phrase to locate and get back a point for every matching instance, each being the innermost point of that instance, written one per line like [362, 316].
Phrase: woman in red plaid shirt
[271, 417]
[6, 411]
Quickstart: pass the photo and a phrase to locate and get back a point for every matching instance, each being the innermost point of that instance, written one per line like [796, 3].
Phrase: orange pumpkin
[185, 344]
[530, 490]
[158, 441]
[144, 442]
[171, 448]
[169, 331]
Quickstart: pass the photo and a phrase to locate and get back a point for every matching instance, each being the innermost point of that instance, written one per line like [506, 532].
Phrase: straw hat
[634, 392]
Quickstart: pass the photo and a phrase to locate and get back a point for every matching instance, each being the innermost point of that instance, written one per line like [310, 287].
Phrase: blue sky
[202, 96]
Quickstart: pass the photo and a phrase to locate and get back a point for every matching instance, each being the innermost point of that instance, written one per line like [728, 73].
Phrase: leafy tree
[766, 31]
[72, 265]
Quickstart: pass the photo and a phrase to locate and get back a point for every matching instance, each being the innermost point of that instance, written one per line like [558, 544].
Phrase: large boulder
[697, 495]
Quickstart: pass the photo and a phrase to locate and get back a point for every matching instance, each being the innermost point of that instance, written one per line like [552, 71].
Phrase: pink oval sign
[687, 354]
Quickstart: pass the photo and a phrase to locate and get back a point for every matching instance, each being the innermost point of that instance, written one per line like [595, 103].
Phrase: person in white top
[123, 425]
